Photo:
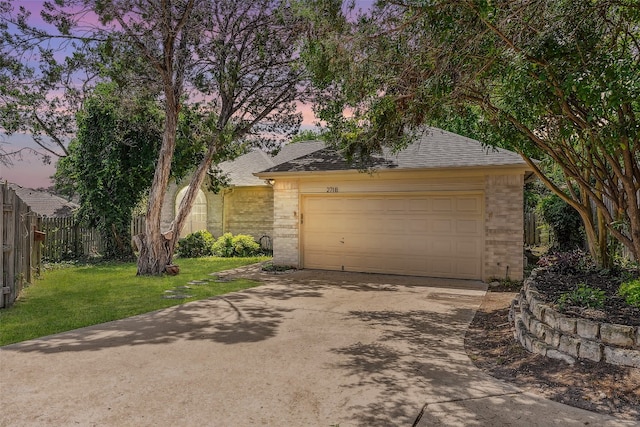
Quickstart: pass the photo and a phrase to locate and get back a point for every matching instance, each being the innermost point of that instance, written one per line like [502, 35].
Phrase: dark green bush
[196, 245]
[240, 245]
[631, 292]
[565, 222]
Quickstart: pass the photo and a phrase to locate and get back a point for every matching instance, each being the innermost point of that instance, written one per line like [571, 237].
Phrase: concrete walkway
[306, 349]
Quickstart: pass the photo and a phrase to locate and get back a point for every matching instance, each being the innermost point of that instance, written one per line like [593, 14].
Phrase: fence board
[66, 240]
[20, 256]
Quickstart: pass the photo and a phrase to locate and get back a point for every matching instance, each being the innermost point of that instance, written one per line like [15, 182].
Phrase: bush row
[202, 243]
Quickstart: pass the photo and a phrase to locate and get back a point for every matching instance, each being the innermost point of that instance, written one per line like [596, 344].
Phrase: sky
[29, 171]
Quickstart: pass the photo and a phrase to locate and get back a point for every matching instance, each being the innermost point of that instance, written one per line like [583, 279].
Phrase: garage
[445, 206]
[437, 235]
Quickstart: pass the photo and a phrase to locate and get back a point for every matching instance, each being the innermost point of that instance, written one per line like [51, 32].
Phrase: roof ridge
[266, 156]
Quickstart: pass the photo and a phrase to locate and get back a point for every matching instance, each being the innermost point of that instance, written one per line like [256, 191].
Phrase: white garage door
[422, 235]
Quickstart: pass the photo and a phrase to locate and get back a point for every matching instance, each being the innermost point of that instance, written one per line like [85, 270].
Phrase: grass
[77, 296]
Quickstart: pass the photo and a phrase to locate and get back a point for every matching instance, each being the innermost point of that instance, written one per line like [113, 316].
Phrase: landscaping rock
[591, 350]
[622, 356]
[618, 335]
[587, 329]
[555, 354]
[569, 345]
[551, 336]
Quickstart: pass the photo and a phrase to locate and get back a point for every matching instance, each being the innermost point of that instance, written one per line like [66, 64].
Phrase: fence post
[18, 246]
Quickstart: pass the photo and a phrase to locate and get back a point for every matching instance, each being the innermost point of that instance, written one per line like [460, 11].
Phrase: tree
[43, 78]
[111, 162]
[307, 135]
[544, 78]
[238, 58]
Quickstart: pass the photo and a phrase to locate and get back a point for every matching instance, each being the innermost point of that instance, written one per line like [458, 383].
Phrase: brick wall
[286, 210]
[214, 208]
[214, 213]
[249, 210]
[504, 225]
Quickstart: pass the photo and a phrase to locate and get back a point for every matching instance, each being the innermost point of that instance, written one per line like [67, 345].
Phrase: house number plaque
[332, 189]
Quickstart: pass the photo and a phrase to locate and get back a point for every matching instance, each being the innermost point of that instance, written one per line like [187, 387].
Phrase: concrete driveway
[306, 349]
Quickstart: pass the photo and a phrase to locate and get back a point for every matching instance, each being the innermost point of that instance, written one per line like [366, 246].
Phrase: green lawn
[77, 296]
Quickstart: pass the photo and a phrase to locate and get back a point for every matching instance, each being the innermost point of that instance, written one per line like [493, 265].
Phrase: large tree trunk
[187, 202]
[154, 250]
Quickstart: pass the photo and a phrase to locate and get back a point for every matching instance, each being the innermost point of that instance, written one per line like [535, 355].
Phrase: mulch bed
[553, 284]
[597, 387]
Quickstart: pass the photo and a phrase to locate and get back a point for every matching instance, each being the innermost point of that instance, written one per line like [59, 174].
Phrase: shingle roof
[44, 203]
[435, 149]
[240, 171]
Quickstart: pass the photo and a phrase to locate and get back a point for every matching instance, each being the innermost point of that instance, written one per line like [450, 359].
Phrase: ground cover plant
[631, 292]
[578, 287]
[74, 296]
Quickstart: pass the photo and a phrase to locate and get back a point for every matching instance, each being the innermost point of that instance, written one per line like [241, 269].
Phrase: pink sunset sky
[30, 171]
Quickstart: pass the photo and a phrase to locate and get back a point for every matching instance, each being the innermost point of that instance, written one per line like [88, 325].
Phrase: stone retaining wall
[543, 330]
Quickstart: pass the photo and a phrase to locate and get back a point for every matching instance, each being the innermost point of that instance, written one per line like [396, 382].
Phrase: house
[246, 206]
[444, 207]
[44, 203]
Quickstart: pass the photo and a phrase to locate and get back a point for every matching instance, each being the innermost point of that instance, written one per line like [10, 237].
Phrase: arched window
[197, 219]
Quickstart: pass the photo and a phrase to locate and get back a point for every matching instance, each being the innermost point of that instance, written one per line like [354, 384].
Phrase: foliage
[84, 295]
[195, 245]
[583, 296]
[631, 292]
[40, 79]
[240, 245]
[276, 268]
[233, 61]
[110, 163]
[569, 262]
[557, 79]
[564, 221]
[307, 135]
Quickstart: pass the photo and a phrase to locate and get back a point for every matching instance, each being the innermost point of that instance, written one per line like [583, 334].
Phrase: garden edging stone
[542, 330]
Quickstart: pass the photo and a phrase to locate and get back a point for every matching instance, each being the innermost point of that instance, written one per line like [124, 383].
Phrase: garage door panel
[418, 205]
[468, 226]
[468, 248]
[323, 260]
[441, 226]
[440, 236]
[468, 204]
[442, 204]
[417, 225]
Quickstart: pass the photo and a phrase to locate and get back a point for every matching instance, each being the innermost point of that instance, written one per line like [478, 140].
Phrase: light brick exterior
[237, 210]
[275, 212]
[504, 225]
[286, 231]
[249, 210]
[503, 211]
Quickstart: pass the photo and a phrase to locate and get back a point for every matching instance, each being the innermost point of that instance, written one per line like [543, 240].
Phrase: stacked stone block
[543, 330]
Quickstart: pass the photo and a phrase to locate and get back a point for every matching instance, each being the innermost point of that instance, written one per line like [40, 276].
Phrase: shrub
[196, 245]
[583, 296]
[571, 262]
[631, 292]
[240, 245]
[564, 220]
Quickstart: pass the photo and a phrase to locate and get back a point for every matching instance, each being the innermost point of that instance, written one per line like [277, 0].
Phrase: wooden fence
[65, 239]
[536, 231]
[20, 245]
